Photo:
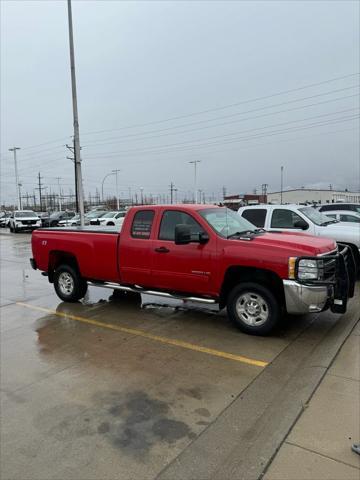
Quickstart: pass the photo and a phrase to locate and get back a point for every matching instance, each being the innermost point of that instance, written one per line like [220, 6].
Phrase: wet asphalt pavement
[127, 388]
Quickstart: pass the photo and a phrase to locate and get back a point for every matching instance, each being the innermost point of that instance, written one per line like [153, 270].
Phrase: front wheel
[253, 308]
[68, 284]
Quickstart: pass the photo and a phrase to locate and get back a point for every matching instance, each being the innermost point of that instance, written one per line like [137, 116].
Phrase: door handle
[162, 250]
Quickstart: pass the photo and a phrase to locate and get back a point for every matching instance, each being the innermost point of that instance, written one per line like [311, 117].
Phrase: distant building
[309, 195]
[236, 201]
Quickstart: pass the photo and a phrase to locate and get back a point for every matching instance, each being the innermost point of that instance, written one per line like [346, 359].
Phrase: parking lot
[141, 389]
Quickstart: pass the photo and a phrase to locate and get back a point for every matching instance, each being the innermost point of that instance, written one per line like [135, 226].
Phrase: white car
[21, 220]
[115, 218]
[70, 222]
[344, 216]
[303, 219]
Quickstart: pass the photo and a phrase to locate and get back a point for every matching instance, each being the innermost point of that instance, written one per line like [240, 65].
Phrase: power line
[239, 113]
[162, 148]
[261, 128]
[202, 112]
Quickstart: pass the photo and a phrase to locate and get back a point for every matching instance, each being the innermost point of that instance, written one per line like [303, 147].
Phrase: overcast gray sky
[208, 64]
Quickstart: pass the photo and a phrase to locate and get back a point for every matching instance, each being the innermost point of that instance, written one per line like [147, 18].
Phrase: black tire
[261, 309]
[68, 284]
[53, 224]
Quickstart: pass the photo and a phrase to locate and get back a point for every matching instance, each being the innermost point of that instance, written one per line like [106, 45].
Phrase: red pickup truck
[200, 253]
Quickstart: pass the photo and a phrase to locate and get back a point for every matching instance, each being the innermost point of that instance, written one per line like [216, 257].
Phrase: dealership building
[309, 195]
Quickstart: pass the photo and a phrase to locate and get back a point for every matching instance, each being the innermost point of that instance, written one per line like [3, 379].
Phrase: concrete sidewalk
[319, 445]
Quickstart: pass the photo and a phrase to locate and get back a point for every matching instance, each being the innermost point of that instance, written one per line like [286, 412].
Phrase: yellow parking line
[150, 336]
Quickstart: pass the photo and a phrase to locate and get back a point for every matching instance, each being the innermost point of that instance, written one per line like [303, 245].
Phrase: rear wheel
[69, 284]
[253, 308]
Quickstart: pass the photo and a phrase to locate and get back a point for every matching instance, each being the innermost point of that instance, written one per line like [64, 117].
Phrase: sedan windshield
[227, 223]
[109, 215]
[316, 217]
[95, 214]
[24, 214]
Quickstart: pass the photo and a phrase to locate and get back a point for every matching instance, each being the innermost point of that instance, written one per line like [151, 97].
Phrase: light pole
[16, 177]
[195, 162]
[117, 188]
[80, 192]
[60, 206]
[281, 185]
[102, 185]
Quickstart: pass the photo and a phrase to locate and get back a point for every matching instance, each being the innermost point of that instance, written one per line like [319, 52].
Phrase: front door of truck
[184, 268]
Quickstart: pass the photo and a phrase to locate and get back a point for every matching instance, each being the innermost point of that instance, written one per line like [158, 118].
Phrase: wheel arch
[239, 274]
[60, 257]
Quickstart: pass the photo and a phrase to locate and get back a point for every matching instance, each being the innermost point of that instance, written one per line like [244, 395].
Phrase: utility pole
[281, 185]
[142, 195]
[117, 188]
[172, 190]
[195, 162]
[80, 193]
[264, 190]
[13, 149]
[224, 192]
[102, 184]
[58, 179]
[40, 188]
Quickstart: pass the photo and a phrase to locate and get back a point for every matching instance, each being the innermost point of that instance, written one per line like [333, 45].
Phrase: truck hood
[298, 243]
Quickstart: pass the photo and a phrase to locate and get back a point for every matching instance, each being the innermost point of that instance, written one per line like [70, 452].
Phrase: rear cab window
[256, 216]
[142, 224]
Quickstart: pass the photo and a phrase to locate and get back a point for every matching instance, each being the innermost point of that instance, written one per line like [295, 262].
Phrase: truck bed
[95, 248]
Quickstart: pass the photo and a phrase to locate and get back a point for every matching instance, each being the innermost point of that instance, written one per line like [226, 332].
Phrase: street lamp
[117, 188]
[16, 177]
[102, 184]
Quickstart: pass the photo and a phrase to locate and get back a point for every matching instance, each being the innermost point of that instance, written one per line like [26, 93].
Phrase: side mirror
[203, 237]
[301, 224]
[182, 234]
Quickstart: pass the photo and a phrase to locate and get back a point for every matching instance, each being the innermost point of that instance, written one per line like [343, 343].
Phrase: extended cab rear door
[135, 247]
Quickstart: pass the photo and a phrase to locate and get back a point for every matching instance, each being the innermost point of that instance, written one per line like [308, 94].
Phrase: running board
[124, 288]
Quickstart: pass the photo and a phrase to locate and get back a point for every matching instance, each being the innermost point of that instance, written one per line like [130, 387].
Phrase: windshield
[28, 213]
[315, 216]
[225, 222]
[95, 214]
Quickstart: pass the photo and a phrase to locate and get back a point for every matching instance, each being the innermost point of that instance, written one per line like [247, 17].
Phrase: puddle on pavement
[157, 305]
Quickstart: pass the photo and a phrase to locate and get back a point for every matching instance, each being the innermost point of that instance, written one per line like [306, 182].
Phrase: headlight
[308, 270]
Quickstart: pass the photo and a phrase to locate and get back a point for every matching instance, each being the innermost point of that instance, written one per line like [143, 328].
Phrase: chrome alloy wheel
[252, 309]
[66, 283]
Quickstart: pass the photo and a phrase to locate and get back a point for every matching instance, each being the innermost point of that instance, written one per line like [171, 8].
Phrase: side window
[282, 218]
[171, 218]
[256, 216]
[142, 223]
[119, 215]
[327, 208]
[349, 218]
[332, 215]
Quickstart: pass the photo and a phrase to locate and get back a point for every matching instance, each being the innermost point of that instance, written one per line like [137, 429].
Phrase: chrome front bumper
[302, 299]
